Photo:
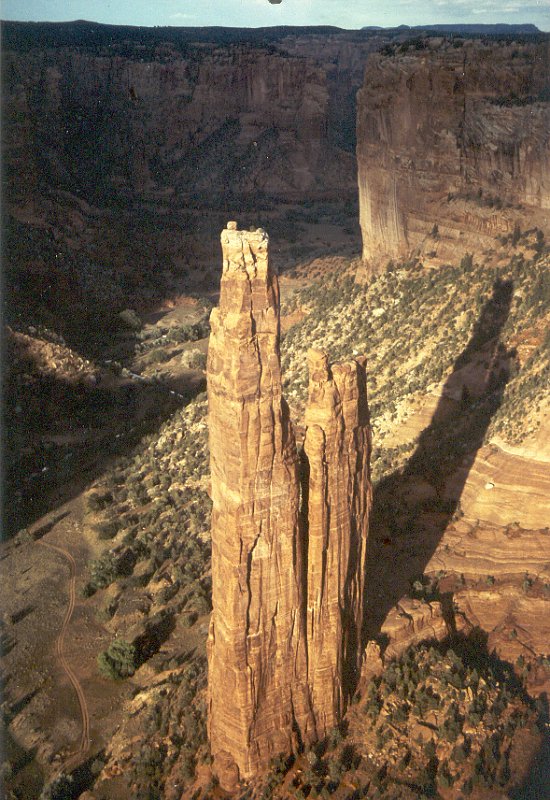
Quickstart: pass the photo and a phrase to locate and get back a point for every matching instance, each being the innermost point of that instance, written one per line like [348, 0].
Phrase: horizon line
[433, 25]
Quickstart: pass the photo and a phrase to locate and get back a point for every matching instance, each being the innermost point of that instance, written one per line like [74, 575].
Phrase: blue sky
[254, 13]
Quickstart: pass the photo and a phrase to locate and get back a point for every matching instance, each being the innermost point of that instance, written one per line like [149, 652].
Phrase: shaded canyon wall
[183, 120]
[124, 147]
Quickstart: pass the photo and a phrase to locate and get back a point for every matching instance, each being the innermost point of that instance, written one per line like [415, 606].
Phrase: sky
[256, 13]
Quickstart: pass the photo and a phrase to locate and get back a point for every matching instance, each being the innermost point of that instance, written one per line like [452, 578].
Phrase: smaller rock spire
[339, 497]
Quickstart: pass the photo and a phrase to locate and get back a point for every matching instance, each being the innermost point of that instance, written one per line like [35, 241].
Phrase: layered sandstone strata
[257, 652]
[452, 148]
[103, 121]
[337, 448]
[288, 544]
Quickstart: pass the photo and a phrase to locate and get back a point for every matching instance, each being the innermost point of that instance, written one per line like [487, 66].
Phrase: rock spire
[288, 540]
[337, 449]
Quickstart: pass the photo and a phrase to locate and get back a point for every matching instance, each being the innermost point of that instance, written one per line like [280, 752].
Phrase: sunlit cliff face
[457, 135]
[288, 535]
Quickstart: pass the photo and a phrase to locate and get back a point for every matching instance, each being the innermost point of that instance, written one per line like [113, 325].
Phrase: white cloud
[179, 15]
[487, 7]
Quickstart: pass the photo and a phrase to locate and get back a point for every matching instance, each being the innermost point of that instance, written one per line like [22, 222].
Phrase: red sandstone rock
[410, 622]
[337, 446]
[185, 109]
[454, 137]
[257, 651]
[276, 572]
[373, 663]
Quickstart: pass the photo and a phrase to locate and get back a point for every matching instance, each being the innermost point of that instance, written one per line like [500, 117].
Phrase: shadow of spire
[413, 506]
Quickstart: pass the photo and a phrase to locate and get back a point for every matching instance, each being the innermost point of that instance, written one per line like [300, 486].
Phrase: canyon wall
[124, 148]
[115, 135]
[112, 124]
[183, 120]
[453, 147]
[288, 534]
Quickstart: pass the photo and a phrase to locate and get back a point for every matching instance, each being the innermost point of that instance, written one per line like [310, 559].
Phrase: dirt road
[84, 744]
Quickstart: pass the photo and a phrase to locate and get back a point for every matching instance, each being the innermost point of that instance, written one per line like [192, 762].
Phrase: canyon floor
[112, 505]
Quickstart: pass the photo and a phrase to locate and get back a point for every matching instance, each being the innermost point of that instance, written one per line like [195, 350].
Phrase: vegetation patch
[415, 325]
[439, 716]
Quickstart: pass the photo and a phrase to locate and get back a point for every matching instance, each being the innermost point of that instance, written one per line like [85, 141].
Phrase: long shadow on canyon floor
[413, 506]
[47, 466]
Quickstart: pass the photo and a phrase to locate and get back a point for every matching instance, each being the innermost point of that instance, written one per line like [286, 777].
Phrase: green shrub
[97, 501]
[107, 529]
[194, 359]
[118, 661]
[60, 788]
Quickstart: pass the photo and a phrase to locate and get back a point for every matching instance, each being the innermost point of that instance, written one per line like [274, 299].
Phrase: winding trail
[84, 744]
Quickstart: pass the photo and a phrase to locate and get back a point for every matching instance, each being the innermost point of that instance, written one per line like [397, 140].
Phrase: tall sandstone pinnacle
[288, 540]
[257, 649]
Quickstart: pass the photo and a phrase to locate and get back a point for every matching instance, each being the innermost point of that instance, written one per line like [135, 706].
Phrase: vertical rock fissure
[287, 550]
[249, 559]
[326, 536]
[303, 541]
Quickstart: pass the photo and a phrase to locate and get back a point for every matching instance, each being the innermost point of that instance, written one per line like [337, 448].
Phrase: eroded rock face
[452, 138]
[287, 572]
[257, 652]
[411, 622]
[337, 449]
[103, 121]
[111, 144]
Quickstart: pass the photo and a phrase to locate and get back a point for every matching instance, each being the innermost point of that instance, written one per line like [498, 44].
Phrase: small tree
[129, 319]
[60, 788]
[467, 262]
[118, 661]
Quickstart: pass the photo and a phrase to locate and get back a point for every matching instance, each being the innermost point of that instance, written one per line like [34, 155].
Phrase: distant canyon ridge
[201, 119]
[451, 135]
